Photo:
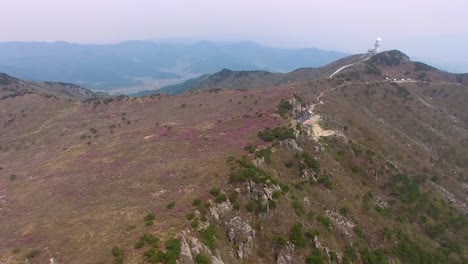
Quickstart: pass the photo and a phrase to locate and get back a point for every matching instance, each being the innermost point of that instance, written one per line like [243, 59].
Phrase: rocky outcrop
[381, 200]
[241, 235]
[216, 260]
[460, 205]
[342, 222]
[259, 161]
[218, 210]
[185, 252]
[316, 243]
[283, 259]
[290, 144]
[191, 247]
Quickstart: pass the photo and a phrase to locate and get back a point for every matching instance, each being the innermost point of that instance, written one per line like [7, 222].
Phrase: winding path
[313, 121]
[346, 66]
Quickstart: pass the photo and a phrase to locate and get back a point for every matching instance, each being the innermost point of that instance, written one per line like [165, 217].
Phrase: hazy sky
[346, 25]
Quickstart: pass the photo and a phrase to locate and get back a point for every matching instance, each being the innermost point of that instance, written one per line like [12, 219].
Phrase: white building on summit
[376, 49]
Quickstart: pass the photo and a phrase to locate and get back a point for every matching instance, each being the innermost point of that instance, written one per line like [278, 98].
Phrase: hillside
[11, 87]
[133, 66]
[363, 167]
[392, 64]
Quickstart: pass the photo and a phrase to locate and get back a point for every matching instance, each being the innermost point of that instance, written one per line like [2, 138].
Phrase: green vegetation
[13, 177]
[311, 215]
[208, 236]
[298, 206]
[419, 66]
[202, 259]
[149, 219]
[277, 133]
[233, 196]
[246, 170]
[195, 223]
[118, 254]
[310, 162]
[190, 216]
[149, 239]
[405, 189]
[196, 202]
[280, 241]
[344, 211]
[389, 58]
[372, 70]
[170, 205]
[325, 180]
[251, 206]
[377, 256]
[316, 257]
[350, 256]
[250, 148]
[410, 252]
[32, 254]
[326, 222]
[297, 236]
[284, 108]
[218, 195]
[312, 233]
[264, 153]
[215, 191]
[171, 255]
[359, 232]
[383, 211]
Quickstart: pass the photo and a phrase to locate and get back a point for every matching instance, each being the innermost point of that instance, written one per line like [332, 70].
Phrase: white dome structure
[378, 44]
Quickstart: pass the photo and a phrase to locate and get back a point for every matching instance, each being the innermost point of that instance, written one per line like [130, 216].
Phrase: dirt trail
[313, 122]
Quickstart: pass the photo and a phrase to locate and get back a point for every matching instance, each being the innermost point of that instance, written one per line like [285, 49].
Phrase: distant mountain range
[136, 63]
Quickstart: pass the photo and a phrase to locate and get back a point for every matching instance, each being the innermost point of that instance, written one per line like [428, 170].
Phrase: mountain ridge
[258, 79]
[356, 168]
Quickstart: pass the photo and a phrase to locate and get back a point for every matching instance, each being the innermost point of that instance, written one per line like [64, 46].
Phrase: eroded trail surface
[313, 122]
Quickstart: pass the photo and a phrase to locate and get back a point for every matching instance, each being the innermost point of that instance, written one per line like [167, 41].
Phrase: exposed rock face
[257, 191]
[242, 234]
[215, 260]
[185, 252]
[283, 259]
[316, 243]
[381, 201]
[191, 247]
[460, 205]
[309, 175]
[214, 214]
[291, 144]
[343, 223]
[224, 207]
[220, 209]
[258, 161]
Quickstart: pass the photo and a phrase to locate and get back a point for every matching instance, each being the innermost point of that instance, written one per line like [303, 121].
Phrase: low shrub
[202, 259]
[278, 133]
[297, 236]
[208, 236]
[326, 222]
